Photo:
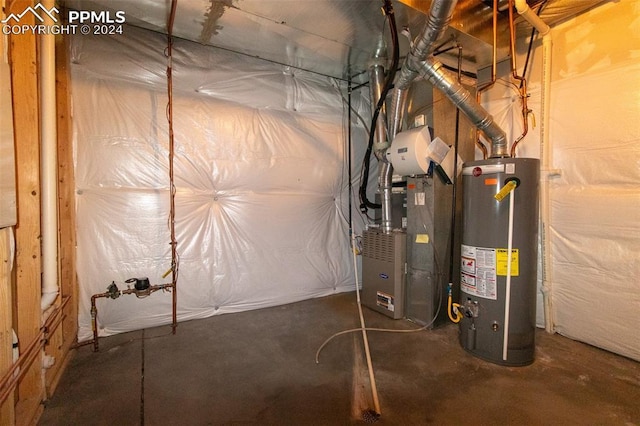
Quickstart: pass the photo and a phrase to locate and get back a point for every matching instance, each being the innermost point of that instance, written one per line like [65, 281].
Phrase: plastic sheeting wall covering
[595, 143]
[260, 170]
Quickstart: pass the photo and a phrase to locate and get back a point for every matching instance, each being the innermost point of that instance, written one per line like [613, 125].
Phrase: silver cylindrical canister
[498, 289]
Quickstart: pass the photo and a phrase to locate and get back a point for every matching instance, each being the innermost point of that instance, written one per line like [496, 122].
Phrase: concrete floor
[258, 368]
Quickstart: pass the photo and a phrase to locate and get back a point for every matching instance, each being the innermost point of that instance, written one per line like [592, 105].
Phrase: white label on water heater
[419, 198]
[478, 272]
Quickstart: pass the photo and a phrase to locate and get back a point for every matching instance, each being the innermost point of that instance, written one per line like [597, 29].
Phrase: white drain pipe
[545, 157]
[48, 165]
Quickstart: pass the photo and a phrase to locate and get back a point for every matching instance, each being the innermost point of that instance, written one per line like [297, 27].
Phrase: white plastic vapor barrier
[260, 171]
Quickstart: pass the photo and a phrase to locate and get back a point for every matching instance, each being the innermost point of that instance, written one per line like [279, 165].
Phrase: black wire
[364, 202]
[349, 151]
[462, 72]
[454, 180]
[533, 33]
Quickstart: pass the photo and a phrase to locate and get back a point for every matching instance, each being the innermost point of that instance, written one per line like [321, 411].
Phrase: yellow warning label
[422, 238]
[501, 262]
[510, 186]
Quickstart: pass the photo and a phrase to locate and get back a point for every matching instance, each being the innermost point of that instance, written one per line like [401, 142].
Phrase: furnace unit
[384, 271]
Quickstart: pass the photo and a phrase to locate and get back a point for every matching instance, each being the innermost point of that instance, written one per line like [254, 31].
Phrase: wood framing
[21, 308]
[7, 415]
[24, 75]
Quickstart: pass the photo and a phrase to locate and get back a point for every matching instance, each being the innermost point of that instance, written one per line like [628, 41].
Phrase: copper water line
[172, 187]
[523, 82]
[14, 374]
[114, 295]
[494, 66]
[9, 381]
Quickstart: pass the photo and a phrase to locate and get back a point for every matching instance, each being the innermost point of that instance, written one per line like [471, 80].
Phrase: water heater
[499, 259]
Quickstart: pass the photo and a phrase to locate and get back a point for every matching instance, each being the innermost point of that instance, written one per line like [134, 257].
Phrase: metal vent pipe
[434, 72]
[439, 17]
[376, 86]
[424, 44]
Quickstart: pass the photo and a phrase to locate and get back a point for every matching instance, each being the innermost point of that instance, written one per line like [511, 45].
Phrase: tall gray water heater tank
[499, 301]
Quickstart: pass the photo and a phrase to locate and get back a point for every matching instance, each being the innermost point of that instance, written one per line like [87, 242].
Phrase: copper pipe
[172, 16]
[521, 79]
[9, 380]
[115, 295]
[172, 187]
[56, 317]
[494, 66]
[12, 377]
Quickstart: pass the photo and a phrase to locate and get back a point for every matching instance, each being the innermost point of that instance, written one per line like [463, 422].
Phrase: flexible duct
[48, 165]
[434, 72]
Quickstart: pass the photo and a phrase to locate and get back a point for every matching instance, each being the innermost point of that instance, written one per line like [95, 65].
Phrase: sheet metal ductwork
[376, 86]
[439, 17]
[381, 142]
[418, 62]
[433, 71]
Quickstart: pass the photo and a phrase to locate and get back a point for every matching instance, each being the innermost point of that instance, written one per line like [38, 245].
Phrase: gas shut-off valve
[470, 308]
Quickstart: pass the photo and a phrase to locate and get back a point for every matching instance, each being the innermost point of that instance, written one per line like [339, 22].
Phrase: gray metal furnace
[498, 295]
[428, 249]
[429, 205]
[383, 271]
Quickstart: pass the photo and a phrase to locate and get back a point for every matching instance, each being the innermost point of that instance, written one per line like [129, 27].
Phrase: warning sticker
[478, 272]
[501, 262]
[385, 301]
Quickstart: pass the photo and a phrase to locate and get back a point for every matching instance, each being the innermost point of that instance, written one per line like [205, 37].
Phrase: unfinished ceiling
[331, 37]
